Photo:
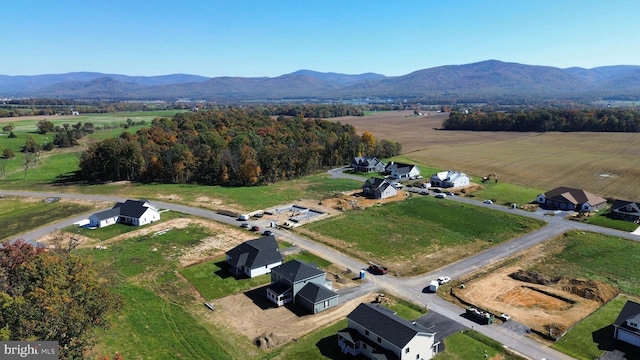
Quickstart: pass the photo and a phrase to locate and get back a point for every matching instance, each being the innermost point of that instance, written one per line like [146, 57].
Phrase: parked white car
[488, 202]
[443, 280]
[441, 196]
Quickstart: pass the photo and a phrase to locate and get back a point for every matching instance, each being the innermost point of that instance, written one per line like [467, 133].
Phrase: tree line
[603, 120]
[235, 146]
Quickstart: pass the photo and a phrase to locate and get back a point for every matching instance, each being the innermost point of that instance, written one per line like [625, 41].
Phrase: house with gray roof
[367, 164]
[300, 283]
[627, 325]
[131, 212]
[254, 257]
[625, 210]
[565, 198]
[402, 171]
[378, 333]
[378, 188]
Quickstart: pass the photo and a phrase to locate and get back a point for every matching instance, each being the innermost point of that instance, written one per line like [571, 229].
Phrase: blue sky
[271, 38]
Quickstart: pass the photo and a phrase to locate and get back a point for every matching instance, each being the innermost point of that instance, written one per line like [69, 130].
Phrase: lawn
[603, 219]
[18, 215]
[158, 317]
[108, 232]
[587, 338]
[213, 279]
[470, 345]
[593, 256]
[420, 226]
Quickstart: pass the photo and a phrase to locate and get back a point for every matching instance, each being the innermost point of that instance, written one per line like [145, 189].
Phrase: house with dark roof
[449, 179]
[565, 198]
[627, 326]
[254, 257]
[131, 212]
[367, 164]
[402, 171]
[378, 188]
[300, 283]
[378, 333]
[625, 210]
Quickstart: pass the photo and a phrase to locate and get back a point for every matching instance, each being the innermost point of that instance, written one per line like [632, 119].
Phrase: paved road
[408, 288]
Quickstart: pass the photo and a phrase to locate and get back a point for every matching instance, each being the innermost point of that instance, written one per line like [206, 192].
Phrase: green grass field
[471, 345]
[593, 256]
[587, 338]
[157, 317]
[18, 216]
[418, 226]
[213, 279]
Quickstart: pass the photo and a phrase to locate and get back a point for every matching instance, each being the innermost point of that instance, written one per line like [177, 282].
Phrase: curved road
[408, 288]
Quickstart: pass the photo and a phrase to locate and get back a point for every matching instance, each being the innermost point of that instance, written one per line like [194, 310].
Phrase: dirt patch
[353, 200]
[547, 304]
[268, 326]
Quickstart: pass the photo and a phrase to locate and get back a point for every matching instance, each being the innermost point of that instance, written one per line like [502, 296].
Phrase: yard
[424, 232]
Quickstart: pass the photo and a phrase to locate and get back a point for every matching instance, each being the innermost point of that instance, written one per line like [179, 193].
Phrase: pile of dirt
[587, 289]
[269, 341]
[534, 277]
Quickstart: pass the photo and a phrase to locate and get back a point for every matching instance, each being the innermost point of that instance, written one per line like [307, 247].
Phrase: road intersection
[408, 288]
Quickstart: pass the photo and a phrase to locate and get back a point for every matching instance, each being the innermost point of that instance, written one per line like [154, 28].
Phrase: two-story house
[300, 283]
[378, 333]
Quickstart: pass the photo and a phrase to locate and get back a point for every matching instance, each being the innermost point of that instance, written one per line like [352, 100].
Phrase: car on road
[377, 269]
[424, 192]
[267, 233]
[258, 215]
[443, 280]
[488, 202]
[449, 193]
[255, 228]
[397, 185]
[441, 196]
[504, 317]
[244, 225]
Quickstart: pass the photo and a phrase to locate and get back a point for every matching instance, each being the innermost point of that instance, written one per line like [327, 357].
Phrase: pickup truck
[377, 269]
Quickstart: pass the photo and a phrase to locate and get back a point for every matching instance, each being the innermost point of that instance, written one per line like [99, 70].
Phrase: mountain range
[490, 80]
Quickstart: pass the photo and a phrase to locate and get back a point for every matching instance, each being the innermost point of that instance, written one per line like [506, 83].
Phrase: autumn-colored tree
[51, 295]
[368, 143]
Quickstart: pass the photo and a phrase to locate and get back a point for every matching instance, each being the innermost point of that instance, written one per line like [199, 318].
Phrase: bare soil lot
[267, 326]
[543, 304]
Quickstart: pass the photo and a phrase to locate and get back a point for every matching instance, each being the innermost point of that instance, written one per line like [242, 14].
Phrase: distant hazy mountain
[482, 81]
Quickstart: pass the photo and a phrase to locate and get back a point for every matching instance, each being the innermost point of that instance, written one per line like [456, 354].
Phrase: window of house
[379, 339]
[366, 332]
[406, 351]
[364, 346]
[418, 357]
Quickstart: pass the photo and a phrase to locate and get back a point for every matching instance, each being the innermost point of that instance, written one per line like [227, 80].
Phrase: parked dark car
[377, 269]
[267, 233]
[244, 225]
[255, 228]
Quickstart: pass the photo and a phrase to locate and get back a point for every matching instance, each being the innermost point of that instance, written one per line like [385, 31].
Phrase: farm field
[425, 232]
[18, 215]
[602, 163]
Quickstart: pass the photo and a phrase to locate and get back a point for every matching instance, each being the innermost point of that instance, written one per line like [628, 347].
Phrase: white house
[449, 179]
[254, 257]
[627, 325]
[378, 188]
[402, 171]
[377, 332]
[131, 212]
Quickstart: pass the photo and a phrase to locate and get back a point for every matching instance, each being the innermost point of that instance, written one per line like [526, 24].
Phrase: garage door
[628, 337]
